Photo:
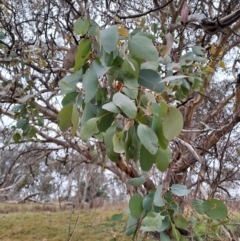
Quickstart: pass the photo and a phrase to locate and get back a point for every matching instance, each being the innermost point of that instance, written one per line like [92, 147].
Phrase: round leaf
[150, 79]
[215, 209]
[137, 181]
[118, 143]
[180, 221]
[111, 107]
[109, 38]
[117, 217]
[142, 48]
[64, 118]
[135, 206]
[151, 222]
[16, 137]
[125, 104]
[146, 159]
[148, 202]
[89, 128]
[148, 138]
[162, 159]
[172, 123]
[179, 190]
[198, 50]
[81, 26]
[197, 204]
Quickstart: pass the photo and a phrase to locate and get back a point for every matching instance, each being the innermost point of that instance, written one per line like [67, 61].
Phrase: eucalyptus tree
[143, 85]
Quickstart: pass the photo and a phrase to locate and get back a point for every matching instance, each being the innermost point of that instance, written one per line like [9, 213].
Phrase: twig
[145, 13]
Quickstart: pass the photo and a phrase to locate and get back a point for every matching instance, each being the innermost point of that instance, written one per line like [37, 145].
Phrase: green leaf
[180, 221]
[108, 136]
[148, 202]
[2, 35]
[23, 124]
[175, 233]
[74, 119]
[187, 59]
[197, 84]
[93, 29]
[162, 159]
[164, 237]
[172, 123]
[150, 79]
[107, 59]
[131, 226]
[81, 26]
[88, 112]
[158, 200]
[99, 68]
[215, 209]
[137, 181]
[197, 204]
[17, 137]
[150, 64]
[68, 83]
[89, 128]
[131, 66]
[117, 217]
[84, 50]
[179, 190]
[64, 118]
[135, 206]
[198, 50]
[111, 107]
[90, 84]
[171, 204]
[32, 132]
[151, 222]
[69, 98]
[142, 47]
[125, 104]
[165, 224]
[40, 121]
[174, 78]
[146, 159]
[118, 142]
[130, 87]
[134, 149]
[157, 125]
[106, 119]
[109, 38]
[148, 138]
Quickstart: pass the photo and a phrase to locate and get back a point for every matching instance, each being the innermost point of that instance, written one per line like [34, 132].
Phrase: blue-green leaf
[150, 79]
[179, 190]
[142, 47]
[125, 104]
[90, 84]
[81, 26]
[109, 38]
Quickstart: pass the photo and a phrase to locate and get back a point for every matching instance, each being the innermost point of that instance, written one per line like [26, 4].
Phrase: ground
[32, 222]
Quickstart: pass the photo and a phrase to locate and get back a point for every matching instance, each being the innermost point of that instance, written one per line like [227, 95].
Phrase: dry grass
[30, 222]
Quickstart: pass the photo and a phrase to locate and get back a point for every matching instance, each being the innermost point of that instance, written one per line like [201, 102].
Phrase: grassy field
[29, 222]
[33, 222]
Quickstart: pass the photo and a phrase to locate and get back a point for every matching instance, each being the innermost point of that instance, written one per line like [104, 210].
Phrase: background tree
[138, 66]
